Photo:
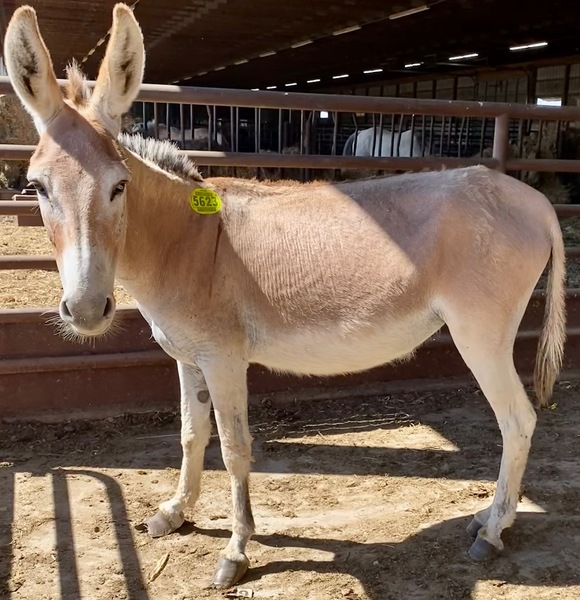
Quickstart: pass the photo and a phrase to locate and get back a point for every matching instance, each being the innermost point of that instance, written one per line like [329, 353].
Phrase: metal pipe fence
[293, 134]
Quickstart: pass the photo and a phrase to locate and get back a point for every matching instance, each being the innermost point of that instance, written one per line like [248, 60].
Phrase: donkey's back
[340, 278]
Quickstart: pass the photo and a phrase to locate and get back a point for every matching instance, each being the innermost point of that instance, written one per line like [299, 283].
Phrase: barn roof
[263, 43]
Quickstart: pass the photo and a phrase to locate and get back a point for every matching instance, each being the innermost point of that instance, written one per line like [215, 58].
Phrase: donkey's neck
[165, 241]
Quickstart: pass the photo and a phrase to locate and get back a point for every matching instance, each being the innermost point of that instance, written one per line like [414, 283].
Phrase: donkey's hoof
[159, 525]
[473, 528]
[481, 550]
[229, 572]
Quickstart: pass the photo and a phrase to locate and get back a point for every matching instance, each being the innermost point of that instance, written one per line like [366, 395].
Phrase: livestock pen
[394, 465]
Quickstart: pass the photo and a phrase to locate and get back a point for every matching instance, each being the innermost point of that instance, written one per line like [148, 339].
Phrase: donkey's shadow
[433, 563]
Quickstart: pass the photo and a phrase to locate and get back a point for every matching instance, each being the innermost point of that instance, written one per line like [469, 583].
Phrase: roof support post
[501, 140]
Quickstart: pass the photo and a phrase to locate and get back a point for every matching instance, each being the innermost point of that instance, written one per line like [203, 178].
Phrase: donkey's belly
[331, 351]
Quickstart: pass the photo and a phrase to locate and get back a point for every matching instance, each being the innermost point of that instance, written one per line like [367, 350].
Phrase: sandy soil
[359, 499]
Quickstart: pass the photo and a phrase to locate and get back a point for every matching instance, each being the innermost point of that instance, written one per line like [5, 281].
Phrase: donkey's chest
[180, 342]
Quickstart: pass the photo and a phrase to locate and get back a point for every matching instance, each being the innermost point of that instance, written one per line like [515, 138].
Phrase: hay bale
[552, 185]
[16, 127]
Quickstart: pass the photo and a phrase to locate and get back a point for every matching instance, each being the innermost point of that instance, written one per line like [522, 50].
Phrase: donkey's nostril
[109, 307]
[64, 309]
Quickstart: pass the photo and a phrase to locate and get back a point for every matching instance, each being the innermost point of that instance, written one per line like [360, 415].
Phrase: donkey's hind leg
[489, 355]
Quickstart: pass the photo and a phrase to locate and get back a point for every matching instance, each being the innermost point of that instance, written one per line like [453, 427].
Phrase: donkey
[386, 143]
[312, 278]
[198, 142]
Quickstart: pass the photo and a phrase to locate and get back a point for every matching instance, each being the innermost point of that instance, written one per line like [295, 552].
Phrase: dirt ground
[358, 499]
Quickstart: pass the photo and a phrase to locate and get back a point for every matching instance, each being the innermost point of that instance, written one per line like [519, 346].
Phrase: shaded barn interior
[484, 50]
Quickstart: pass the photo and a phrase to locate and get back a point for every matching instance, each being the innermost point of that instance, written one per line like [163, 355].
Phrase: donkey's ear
[30, 68]
[121, 71]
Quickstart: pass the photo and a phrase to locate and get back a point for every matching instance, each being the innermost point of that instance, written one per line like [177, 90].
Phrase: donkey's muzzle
[88, 316]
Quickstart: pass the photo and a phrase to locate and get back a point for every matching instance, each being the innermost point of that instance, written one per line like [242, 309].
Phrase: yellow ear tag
[204, 201]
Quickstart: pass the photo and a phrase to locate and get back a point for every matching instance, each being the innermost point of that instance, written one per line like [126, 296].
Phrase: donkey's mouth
[82, 319]
[81, 335]
[92, 332]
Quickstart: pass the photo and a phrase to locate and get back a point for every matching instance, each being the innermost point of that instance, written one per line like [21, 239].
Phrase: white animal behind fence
[200, 134]
[386, 143]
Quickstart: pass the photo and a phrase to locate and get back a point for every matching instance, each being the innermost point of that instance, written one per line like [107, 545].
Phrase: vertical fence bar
[182, 123]
[256, 130]
[210, 126]
[374, 135]
[233, 135]
[301, 142]
[482, 137]
[451, 125]
[399, 133]
[156, 120]
[442, 135]
[539, 142]
[460, 137]
[334, 134]
[412, 134]
[335, 141]
[381, 117]
[280, 131]
[501, 138]
[257, 138]
[192, 124]
[355, 122]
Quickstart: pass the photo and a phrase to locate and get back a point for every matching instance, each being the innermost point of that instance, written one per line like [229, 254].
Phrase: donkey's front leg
[195, 432]
[226, 381]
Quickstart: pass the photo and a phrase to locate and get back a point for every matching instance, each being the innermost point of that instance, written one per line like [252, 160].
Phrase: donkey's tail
[348, 147]
[551, 345]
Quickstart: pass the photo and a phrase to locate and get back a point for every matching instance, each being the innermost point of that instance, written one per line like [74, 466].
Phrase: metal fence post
[501, 139]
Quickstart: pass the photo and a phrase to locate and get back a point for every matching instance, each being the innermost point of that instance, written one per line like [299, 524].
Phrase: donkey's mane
[162, 153]
[77, 89]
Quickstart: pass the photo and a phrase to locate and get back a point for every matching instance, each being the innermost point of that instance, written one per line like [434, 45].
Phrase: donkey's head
[77, 169]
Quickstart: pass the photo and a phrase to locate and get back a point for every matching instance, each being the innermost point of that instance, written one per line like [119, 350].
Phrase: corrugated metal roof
[200, 42]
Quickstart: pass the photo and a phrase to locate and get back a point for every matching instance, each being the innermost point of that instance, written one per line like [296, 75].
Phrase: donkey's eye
[119, 189]
[38, 187]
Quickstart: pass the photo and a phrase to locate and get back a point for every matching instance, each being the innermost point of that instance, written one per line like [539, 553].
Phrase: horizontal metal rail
[50, 364]
[18, 262]
[22, 207]
[339, 102]
[316, 161]
[297, 161]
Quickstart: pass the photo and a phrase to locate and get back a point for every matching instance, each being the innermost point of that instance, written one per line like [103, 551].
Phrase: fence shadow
[6, 525]
[66, 553]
